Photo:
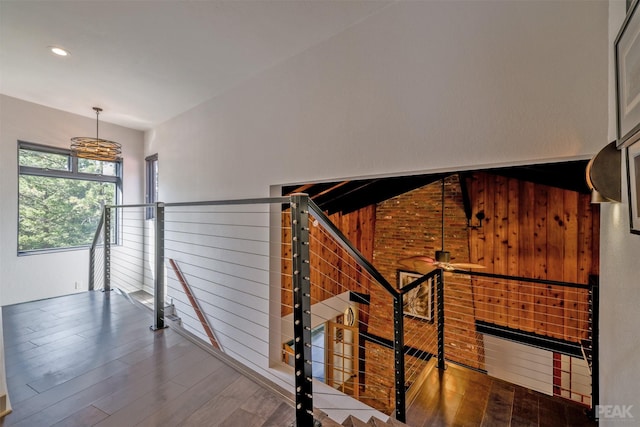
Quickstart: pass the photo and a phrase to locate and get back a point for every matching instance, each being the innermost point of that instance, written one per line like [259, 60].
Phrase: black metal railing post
[440, 307]
[302, 309]
[158, 282]
[398, 353]
[594, 335]
[107, 249]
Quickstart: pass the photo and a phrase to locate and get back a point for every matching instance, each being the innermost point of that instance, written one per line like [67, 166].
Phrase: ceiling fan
[424, 264]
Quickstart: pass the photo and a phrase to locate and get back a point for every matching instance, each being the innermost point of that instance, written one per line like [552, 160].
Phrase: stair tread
[328, 422]
[376, 422]
[352, 421]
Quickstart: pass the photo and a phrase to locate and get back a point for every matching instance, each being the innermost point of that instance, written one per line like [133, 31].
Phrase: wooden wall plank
[552, 238]
[513, 256]
[489, 243]
[477, 243]
[585, 239]
[540, 258]
[585, 251]
[500, 250]
[526, 252]
[571, 256]
[348, 273]
[555, 262]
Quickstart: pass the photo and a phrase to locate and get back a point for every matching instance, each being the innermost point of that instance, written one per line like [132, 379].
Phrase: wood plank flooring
[461, 397]
[90, 359]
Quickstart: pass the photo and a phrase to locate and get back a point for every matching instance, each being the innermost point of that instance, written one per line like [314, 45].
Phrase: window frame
[71, 173]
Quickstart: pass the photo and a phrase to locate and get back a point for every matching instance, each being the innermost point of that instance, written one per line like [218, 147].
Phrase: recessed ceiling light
[58, 51]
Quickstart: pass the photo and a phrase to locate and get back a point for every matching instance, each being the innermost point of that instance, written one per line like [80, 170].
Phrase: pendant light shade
[86, 147]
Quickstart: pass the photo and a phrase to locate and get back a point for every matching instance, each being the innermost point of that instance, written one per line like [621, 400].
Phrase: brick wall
[408, 225]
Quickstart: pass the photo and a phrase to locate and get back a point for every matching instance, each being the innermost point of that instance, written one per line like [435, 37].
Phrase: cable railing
[268, 280]
[127, 253]
[348, 303]
[224, 253]
[535, 333]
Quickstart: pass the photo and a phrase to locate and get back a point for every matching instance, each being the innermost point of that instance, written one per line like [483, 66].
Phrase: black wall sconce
[480, 217]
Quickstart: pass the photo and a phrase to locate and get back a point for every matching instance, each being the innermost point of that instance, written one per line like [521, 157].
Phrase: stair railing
[399, 348]
[109, 233]
[548, 328]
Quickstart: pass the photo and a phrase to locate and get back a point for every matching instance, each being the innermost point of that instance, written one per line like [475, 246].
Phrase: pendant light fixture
[86, 147]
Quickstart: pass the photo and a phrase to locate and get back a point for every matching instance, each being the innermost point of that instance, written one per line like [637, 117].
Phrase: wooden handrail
[195, 305]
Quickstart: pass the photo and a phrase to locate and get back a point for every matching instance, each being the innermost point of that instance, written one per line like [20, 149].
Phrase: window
[60, 197]
[151, 183]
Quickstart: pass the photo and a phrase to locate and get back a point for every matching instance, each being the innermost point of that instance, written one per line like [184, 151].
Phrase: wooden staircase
[352, 421]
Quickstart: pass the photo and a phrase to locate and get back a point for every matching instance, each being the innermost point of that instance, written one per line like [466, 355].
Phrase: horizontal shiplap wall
[129, 254]
[223, 254]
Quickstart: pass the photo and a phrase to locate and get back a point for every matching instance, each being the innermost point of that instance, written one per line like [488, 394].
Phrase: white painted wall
[420, 86]
[40, 276]
[416, 87]
[619, 283]
[329, 309]
[520, 364]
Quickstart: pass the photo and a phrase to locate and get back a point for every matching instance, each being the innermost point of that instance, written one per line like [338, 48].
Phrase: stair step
[395, 423]
[323, 418]
[328, 422]
[375, 422]
[352, 421]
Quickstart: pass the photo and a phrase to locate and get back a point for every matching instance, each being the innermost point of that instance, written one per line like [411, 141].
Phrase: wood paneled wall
[533, 231]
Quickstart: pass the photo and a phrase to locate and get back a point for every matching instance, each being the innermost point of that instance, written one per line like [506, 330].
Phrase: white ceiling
[145, 62]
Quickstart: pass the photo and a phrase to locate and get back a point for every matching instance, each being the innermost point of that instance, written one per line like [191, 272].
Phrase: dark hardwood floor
[90, 359]
[462, 397]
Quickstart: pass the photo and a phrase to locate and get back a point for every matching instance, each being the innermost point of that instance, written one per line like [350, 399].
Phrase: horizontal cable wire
[216, 236]
[214, 247]
[218, 224]
[218, 296]
[560, 321]
[206, 304]
[225, 273]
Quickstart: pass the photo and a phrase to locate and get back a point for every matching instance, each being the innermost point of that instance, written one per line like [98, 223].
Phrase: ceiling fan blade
[466, 266]
[419, 264]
